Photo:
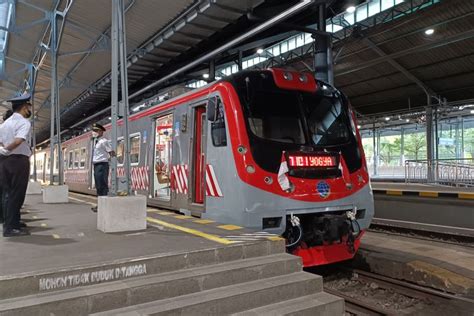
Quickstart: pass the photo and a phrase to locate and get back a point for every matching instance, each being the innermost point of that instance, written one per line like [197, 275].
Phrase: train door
[162, 158]
[199, 161]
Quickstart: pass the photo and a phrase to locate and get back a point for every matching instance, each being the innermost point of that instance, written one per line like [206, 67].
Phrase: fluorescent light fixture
[205, 76]
[472, 111]
[429, 31]
[387, 118]
[358, 126]
[408, 120]
[351, 9]
[260, 51]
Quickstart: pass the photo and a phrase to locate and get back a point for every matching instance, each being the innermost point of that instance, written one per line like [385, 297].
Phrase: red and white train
[272, 150]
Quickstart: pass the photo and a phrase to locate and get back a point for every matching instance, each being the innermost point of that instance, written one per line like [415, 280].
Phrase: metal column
[119, 58]
[54, 138]
[212, 71]
[240, 61]
[323, 59]
[114, 105]
[32, 83]
[429, 141]
[402, 146]
[375, 150]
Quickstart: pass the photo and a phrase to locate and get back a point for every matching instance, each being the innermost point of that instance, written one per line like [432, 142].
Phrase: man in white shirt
[15, 155]
[3, 196]
[100, 160]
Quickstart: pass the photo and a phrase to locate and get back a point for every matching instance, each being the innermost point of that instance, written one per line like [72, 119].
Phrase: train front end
[299, 155]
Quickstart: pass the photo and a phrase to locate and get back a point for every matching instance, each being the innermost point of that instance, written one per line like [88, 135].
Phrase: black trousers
[101, 178]
[14, 174]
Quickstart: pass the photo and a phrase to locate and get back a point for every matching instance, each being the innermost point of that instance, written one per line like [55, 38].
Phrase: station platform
[422, 190]
[442, 266]
[178, 265]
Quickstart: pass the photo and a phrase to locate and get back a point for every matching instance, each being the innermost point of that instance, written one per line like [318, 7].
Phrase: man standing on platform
[6, 116]
[15, 155]
[100, 159]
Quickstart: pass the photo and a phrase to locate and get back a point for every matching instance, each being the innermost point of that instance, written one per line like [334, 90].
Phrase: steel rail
[410, 289]
[357, 307]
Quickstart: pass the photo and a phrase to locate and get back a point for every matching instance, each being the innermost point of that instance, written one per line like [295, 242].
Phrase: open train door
[199, 161]
[162, 159]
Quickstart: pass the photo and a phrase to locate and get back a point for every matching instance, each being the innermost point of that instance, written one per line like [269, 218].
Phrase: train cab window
[135, 149]
[218, 133]
[70, 164]
[82, 163]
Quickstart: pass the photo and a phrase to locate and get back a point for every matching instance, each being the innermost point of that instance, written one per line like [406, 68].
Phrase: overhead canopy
[157, 33]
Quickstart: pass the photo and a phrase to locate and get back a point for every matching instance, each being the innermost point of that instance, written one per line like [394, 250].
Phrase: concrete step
[122, 293]
[230, 299]
[321, 304]
[38, 282]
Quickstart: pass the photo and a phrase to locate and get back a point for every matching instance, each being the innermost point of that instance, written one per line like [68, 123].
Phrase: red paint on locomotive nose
[326, 254]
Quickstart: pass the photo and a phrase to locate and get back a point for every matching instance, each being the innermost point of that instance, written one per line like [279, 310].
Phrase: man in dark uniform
[100, 159]
[15, 155]
[3, 197]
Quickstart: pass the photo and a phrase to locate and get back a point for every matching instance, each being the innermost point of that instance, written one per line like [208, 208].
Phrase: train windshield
[298, 118]
[286, 120]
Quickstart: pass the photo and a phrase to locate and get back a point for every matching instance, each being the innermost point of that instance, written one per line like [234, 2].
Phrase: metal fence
[453, 172]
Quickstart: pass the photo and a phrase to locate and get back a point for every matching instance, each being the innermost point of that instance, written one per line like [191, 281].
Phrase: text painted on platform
[87, 278]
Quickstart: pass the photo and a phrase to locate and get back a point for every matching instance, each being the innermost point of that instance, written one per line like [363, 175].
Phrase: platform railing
[452, 172]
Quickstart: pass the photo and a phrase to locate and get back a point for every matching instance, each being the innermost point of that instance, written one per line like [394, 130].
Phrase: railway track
[357, 306]
[448, 235]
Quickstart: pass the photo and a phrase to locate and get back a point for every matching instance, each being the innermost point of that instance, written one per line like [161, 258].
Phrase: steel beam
[417, 49]
[399, 67]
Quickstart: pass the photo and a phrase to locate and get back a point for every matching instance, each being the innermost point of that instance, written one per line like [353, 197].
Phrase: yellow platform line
[182, 217]
[229, 227]
[275, 238]
[44, 225]
[203, 221]
[392, 192]
[192, 231]
[56, 236]
[466, 196]
[428, 194]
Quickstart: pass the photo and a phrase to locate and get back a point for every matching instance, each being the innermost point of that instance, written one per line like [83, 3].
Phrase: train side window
[218, 134]
[82, 164]
[135, 149]
[77, 158]
[70, 164]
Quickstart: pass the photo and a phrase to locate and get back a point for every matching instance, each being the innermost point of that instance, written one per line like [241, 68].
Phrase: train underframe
[323, 238]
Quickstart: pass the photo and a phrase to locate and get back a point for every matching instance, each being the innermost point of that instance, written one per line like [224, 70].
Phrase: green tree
[415, 146]
[390, 150]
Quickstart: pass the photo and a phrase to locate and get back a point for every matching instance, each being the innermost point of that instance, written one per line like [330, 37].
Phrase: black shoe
[23, 225]
[15, 233]
[94, 209]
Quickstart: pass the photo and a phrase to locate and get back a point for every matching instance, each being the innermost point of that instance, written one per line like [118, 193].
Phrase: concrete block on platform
[33, 188]
[121, 213]
[55, 194]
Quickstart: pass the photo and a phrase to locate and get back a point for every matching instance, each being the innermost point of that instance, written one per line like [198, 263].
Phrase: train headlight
[242, 150]
[250, 169]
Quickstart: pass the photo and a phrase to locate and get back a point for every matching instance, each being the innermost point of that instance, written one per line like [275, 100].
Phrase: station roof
[384, 63]
[388, 67]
